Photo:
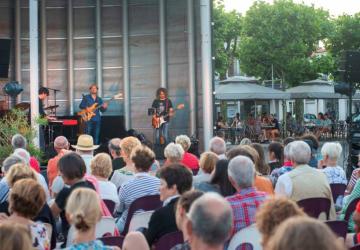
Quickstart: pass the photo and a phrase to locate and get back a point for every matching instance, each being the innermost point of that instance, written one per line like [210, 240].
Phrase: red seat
[113, 241]
[146, 203]
[351, 208]
[315, 206]
[169, 240]
[339, 227]
[110, 205]
[337, 190]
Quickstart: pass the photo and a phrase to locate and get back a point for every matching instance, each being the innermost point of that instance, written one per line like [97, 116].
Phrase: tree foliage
[283, 34]
[227, 28]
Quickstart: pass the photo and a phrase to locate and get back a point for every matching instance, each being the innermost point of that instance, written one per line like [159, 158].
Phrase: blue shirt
[87, 101]
[4, 190]
[94, 245]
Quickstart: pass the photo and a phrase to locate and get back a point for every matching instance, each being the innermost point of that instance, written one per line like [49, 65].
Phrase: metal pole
[70, 55]
[192, 66]
[99, 78]
[126, 71]
[206, 74]
[163, 61]
[43, 43]
[18, 43]
[34, 66]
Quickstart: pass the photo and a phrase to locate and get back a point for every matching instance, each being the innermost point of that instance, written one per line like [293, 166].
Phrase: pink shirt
[190, 160]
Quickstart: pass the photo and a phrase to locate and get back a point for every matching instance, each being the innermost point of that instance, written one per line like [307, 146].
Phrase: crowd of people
[208, 200]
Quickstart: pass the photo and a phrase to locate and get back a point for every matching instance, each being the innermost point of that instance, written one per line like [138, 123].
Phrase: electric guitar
[158, 120]
[89, 112]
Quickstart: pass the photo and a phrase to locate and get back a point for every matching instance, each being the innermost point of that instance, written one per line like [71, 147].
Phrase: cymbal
[51, 107]
[22, 106]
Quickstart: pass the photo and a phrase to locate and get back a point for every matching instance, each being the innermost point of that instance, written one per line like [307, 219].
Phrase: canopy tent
[237, 88]
[316, 89]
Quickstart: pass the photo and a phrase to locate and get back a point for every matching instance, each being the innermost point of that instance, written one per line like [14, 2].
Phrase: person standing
[93, 125]
[163, 108]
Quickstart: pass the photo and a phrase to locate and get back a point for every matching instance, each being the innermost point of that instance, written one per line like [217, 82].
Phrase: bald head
[217, 145]
[208, 223]
[22, 154]
[61, 143]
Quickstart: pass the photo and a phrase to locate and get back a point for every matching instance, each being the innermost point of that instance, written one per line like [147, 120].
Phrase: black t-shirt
[162, 107]
[64, 194]
[41, 108]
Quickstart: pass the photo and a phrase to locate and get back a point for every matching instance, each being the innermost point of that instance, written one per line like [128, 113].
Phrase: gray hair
[299, 152]
[184, 141]
[241, 169]
[114, 145]
[217, 145]
[287, 151]
[174, 152]
[18, 141]
[332, 150]
[23, 154]
[245, 141]
[61, 142]
[10, 161]
[209, 223]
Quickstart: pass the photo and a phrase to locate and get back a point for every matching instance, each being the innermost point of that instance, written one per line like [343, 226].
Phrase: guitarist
[93, 125]
[163, 108]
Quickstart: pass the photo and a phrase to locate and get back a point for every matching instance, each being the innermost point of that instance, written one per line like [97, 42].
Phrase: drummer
[43, 94]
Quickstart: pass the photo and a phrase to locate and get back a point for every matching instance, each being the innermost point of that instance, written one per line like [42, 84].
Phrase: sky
[335, 7]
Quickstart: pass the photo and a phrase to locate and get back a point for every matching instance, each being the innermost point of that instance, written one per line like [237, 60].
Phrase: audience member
[83, 210]
[353, 239]
[303, 233]
[182, 209]
[276, 155]
[287, 167]
[26, 199]
[245, 141]
[85, 148]
[330, 152]
[272, 213]
[175, 179]
[19, 141]
[246, 201]
[14, 236]
[209, 227]
[353, 179]
[304, 181]
[126, 173]
[208, 162]
[115, 152]
[218, 146]
[219, 182]
[346, 202]
[6, 165]
[72, 169]
[262, 168]
[142, 185]
[313, 143]
[101, 168]
[261, 183]
[173, 153]
[189, 159]
[61, 146]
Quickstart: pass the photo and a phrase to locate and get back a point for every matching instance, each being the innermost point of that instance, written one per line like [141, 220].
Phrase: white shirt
[87, 159]
[108, 191]
[169, 199]
[284, 186]
[43, 183]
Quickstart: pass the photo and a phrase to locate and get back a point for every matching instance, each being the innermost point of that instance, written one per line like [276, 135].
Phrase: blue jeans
[164, 131]
[93, 129]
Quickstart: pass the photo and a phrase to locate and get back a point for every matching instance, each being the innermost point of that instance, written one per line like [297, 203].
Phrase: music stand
[55, 90]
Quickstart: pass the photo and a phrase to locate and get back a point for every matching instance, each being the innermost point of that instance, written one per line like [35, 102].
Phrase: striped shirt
[354, 177]
[244, 205]
[142, 185]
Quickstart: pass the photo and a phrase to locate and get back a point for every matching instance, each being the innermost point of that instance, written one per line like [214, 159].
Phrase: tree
[227, 28]
[283, 34]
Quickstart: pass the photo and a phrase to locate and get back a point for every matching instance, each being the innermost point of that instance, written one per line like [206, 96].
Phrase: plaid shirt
[244, 205]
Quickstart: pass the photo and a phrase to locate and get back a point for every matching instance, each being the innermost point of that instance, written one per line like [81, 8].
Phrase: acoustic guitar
[158, 120]
[89, 112]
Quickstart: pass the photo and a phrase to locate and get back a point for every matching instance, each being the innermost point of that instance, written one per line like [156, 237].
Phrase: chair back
[169, 240]
[356, 247]
[351, 208]
[140, 220]
[146, 203]
[113, 241]
[249, 235]
[337, 190]
[339, 227]
[315, 206]
[110, 205]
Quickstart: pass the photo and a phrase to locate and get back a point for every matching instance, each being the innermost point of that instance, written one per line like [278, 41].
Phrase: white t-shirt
[108, 191]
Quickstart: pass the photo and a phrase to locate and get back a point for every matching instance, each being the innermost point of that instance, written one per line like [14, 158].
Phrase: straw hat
[85, 143]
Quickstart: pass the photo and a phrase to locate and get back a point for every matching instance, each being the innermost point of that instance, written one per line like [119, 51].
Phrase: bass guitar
[158, 120]
[89, 112]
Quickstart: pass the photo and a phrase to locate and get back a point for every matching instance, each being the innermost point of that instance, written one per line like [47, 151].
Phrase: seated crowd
[237, 198]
